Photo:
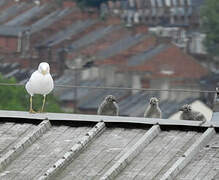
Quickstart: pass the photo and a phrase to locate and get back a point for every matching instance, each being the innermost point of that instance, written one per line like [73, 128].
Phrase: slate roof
[123, 57]
[121, 45]
[91, 37]
[11, 30]
[141, 58]
[170, 58]
[50, 19]
[66, 146]
[68, 32]
[24, 17]
[13, 11]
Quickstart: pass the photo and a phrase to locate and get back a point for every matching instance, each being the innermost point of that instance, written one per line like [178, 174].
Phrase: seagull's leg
[44, 100]
[31, 105]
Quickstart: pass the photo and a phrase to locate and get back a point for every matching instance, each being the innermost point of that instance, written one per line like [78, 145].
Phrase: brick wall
[8, 43]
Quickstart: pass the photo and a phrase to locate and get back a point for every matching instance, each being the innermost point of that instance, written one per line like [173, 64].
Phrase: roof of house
[141, 58]
[50, 19]
[105, 42]
[122, 57]
[91, 37]
[75, 28]
[169, 61]
[119, 46]
[13, 11]
[66, 146]
[24, 17]
[11, 30]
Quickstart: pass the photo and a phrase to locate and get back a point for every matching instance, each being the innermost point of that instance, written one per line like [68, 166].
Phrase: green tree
[16, 98]
[210, 25]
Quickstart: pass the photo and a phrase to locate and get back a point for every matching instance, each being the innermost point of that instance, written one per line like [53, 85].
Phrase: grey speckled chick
[109, 107]
[189, 114]
[153, 110]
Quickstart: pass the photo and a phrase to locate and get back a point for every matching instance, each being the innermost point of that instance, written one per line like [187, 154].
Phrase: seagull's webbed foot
[32, 111]
[40, 111]
[202, 122]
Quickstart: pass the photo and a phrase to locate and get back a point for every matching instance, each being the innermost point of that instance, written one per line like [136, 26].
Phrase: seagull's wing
[100, 108]
[200, 117]
[29, 82]
[160, 112]
[116, 108]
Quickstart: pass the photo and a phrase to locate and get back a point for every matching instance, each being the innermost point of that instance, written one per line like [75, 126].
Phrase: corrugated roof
[159, 155]
[205, 164]
[79, 150]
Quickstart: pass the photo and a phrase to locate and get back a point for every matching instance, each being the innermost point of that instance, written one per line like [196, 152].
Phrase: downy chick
[153, 110]
[109, 106]
[189, 114]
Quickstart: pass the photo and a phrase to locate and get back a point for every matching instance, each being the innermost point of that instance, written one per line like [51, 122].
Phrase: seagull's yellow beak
[44, 72]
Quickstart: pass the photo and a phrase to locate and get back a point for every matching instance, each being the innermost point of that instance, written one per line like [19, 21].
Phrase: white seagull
[40, 82]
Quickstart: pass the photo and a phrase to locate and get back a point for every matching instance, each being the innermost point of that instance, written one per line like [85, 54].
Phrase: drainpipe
[19, 44]
[27, 40]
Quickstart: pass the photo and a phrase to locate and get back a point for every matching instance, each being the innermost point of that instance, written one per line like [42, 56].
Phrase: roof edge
[97, 118]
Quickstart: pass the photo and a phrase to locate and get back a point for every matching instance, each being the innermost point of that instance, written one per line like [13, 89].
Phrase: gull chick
[153, 110]
[40, 82]
[189, 114]
[109, 106]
